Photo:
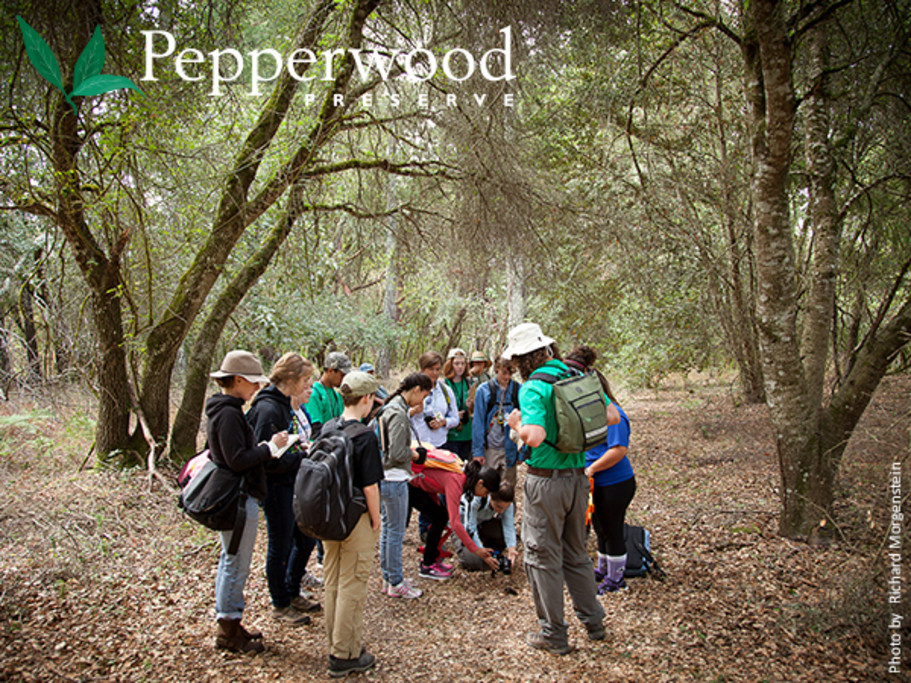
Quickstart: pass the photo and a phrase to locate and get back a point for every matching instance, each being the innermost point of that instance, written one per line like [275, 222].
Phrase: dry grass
[103, 580]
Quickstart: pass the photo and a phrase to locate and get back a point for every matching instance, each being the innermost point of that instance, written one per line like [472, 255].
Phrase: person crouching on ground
[232, 445]
[347, 564]
[556, 497]
[490, 521]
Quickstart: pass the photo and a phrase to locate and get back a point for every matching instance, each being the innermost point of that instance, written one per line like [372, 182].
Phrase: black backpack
[213, 496]
[639, 559]
[327, 504]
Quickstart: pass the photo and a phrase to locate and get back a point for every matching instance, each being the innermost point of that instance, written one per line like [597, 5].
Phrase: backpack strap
[548, 378]
[240, 521]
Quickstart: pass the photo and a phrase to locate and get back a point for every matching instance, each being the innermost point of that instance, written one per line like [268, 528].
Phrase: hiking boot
[342, 667]
[404, 590]
[433, 572]
[596, 633]
[537, 640]
[611, 586]
[310, 581]
[252, 634]
[303, 604]
[290, 616]
[229, 635]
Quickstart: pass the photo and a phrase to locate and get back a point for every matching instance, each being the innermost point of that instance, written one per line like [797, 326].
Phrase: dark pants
[428, 505]
[289, 549]
[460, 448]
[610, 511]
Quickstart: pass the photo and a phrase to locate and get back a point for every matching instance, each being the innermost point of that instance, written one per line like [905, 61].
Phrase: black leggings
[610, 510]
[428, 504]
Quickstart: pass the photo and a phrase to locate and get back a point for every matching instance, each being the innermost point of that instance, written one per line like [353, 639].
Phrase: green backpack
[581, 411]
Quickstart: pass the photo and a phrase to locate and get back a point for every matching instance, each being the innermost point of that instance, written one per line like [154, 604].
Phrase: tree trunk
[26, 315]
[805, 485]
[817, 326]
[385, 356]
[515, 289]
[236, 211]
[6, 365]
[186, 423]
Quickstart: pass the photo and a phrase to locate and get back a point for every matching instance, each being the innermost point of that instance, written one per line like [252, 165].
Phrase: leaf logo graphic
[87, 77]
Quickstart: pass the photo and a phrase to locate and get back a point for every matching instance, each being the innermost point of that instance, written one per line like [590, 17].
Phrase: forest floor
[102, 579]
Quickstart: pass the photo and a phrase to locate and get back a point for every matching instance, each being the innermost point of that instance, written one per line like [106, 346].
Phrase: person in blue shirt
[614, 486]
[493, 402]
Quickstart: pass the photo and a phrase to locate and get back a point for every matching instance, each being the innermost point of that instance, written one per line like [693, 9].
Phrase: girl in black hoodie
[233, 446]
[289, 548]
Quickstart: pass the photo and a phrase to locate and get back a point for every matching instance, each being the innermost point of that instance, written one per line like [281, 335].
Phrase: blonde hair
[290, 366]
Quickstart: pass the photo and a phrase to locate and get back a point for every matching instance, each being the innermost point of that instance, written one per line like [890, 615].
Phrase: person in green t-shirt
[455, 370]
[556, 497]
[325, 402]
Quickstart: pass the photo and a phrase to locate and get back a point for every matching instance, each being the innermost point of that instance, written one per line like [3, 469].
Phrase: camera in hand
[463, 418]
[504, 562]
[428, 419]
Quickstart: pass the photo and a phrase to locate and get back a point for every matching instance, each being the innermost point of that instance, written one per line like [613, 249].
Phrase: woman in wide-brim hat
[233, 446]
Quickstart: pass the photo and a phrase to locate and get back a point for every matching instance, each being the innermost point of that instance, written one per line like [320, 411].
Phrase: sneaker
[443, 566]
[433, 572]
[537, 640]
[303, 604]
[404, 590]
[308, 580]
[342, 667]
[385, 589]
[290, 616]
[611, 586]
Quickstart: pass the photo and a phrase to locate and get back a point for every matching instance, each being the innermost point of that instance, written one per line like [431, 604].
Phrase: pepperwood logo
[87, 77]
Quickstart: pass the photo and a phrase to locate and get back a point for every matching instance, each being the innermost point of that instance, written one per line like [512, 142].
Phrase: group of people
[404, 462]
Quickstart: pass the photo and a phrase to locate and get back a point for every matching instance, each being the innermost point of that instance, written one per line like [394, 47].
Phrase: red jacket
[450, 484]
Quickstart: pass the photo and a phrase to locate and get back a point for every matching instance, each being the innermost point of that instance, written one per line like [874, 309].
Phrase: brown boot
[251, 633]
[230, 635]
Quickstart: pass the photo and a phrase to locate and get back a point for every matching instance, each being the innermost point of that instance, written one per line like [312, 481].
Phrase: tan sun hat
[525, 338]
[242, 364]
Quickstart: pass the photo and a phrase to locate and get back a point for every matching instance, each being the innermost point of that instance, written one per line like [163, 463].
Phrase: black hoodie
[271, 413]
[232, 444]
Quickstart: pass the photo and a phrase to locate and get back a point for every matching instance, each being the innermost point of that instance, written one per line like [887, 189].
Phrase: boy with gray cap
[325, 402]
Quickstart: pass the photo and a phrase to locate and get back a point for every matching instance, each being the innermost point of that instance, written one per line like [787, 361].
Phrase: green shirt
[536, 399]
[324, 404]
[460, 389]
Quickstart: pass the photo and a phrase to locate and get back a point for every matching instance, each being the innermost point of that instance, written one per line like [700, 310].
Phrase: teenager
[614, 486]
[347, 563]
[272, 412]
[325, 402]
[455, 371]
[394, 426]
[232, 445]
[490, 521]
[494, 401]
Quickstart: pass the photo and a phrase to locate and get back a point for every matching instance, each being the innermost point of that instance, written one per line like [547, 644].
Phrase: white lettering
[152, 55]
[431, 64]
[256, 79]
[469, 60]
[329, 55]
[294, 60]
[506, 51]
[185, 57]
[217, 79]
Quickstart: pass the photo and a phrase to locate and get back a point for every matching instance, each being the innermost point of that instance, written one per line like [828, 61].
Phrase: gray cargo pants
[553, 532]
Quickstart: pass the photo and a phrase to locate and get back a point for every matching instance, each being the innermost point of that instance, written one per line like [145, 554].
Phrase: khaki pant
[346, 569]
[496, 458]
